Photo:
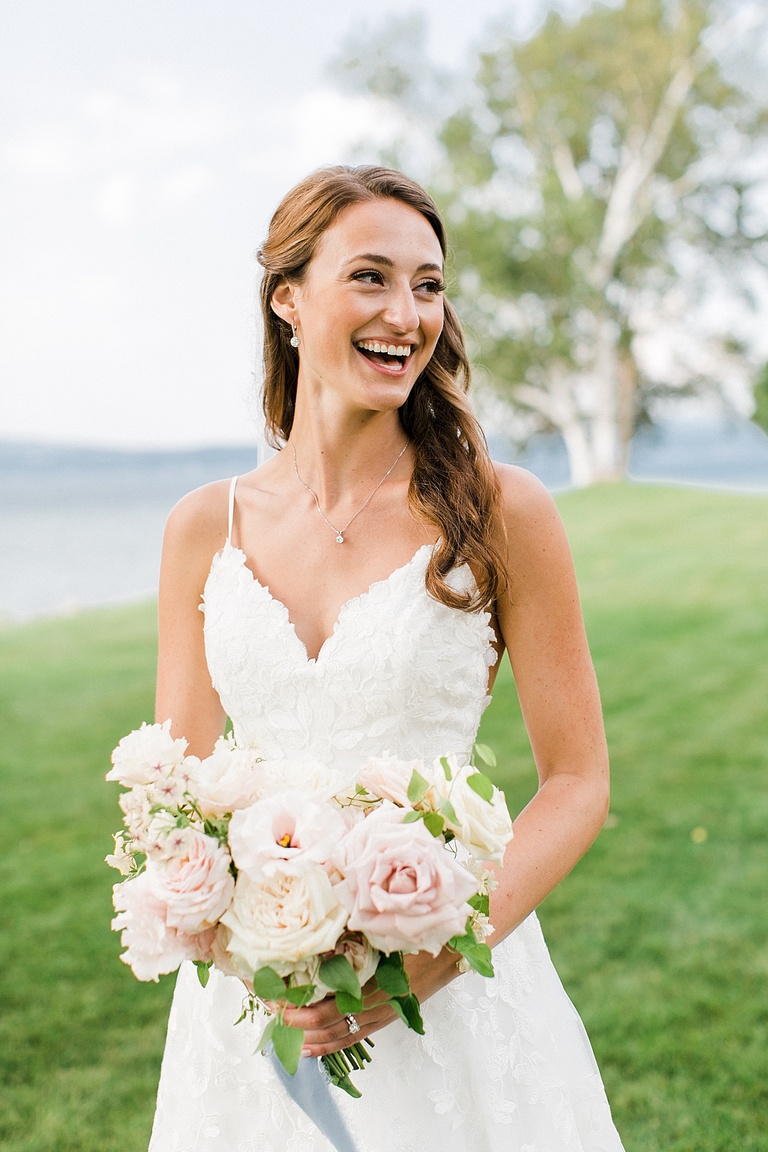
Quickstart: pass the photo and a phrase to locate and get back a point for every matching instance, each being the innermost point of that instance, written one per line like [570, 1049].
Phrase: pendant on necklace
[339, 539]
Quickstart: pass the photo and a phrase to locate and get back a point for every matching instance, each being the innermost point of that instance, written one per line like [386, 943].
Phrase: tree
[601, 179]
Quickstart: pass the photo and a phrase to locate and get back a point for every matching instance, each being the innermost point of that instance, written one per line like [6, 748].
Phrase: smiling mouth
[388, 355]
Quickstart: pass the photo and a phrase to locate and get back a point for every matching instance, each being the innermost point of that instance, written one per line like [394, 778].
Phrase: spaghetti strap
[231, 512]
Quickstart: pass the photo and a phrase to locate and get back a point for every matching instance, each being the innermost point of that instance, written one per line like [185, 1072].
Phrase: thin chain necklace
[340, 531]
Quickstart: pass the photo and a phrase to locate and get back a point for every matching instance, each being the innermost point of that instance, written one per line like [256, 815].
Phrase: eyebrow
[374, 258]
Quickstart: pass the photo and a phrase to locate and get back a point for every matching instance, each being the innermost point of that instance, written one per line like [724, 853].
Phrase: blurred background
[602, 167]
[603, 171]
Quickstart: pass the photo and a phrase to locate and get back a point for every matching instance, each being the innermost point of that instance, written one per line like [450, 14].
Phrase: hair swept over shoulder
[453, 485]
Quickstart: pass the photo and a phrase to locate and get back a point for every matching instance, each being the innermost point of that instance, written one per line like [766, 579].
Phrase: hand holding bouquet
[303, 885]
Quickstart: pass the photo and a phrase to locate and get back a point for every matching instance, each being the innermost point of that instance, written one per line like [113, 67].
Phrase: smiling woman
[331, 656]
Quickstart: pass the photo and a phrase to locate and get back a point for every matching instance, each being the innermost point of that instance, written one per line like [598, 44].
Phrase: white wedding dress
[505, 1064]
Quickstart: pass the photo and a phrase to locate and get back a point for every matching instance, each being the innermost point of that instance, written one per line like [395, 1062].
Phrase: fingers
[337, 1036]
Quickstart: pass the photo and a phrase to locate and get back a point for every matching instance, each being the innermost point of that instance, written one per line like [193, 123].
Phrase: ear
[283, 303]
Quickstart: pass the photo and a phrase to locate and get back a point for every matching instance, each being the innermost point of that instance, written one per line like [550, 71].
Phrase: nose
[401, 312]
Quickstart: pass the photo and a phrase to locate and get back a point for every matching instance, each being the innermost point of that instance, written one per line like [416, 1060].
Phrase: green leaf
[412, 817]
[300, 995]
[203, 971]
[481, 902]
[476, 954]
[486, 754]
[266, 1035]
[287, 1043]
[417, 787]
[449, 812]
[446, 768]
[339, 975]
[391, 976]
[346, 1003]
[482, 785]
[407, 1008]
[267, 985]
[434, 822]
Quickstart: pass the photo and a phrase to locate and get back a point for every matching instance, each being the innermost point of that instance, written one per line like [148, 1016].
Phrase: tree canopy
[602, 180]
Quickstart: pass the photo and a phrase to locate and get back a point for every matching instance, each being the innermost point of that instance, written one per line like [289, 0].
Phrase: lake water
[84, 526]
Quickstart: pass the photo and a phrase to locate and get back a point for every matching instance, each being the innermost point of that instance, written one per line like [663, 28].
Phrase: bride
[357, 593]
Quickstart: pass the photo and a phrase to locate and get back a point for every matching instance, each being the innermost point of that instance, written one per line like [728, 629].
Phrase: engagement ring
[352, 1024]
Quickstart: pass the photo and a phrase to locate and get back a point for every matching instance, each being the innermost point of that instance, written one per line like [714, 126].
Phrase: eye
[368, 276]
[431, 287]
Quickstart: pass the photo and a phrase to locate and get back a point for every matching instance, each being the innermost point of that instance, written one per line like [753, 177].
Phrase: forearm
[551, 835]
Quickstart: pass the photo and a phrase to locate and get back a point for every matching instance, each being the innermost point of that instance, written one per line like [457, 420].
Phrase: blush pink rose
[400, 885]
[152, 946]
[196, 885]
[284, 832]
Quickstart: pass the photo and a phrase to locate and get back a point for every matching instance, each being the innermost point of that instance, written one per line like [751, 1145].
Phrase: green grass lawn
[659, 934]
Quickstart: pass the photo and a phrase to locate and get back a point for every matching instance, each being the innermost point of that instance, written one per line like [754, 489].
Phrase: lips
[391, 357]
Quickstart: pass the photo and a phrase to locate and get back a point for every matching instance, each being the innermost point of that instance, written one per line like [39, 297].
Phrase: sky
[144, 146]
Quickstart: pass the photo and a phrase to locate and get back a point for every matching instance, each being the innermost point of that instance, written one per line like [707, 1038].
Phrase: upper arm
[195, 531]
[542, 628]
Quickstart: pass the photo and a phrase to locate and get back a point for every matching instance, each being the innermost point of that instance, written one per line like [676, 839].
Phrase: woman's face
[370, 309]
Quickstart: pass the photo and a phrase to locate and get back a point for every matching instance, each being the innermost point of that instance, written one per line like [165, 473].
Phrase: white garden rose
[146, 755]
[482, 826]
[282, 920]
[227, 780]
[287, 773]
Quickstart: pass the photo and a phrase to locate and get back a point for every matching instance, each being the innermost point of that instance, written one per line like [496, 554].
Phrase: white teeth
[390, 349]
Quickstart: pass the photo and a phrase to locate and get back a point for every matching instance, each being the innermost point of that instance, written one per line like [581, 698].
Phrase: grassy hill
[659, 934]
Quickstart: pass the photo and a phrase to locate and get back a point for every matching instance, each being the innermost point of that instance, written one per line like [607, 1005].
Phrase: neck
[341, 457]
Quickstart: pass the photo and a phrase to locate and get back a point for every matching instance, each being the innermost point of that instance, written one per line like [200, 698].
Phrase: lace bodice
[401, 673]
[504, 1063]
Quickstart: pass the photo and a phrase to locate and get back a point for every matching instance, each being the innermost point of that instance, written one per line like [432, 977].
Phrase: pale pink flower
[401, 887]
[227, 780]
[284, 832]
[137, 812]
[146, 755]
[388, 777]
[195, 886]
[152, 946]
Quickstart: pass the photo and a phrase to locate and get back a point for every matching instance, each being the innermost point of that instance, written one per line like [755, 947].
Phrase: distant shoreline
[81, 528]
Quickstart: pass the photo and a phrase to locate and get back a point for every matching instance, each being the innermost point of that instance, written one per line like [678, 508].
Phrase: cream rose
[282, 920]
[146, 755]
[400, 885]
[484, 827]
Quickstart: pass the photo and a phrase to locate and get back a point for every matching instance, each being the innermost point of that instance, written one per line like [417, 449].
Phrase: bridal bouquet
[301, 885]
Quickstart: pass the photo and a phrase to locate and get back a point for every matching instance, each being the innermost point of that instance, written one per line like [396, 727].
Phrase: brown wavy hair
[453, 485]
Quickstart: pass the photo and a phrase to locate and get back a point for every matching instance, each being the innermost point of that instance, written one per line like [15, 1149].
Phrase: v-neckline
[361, 597]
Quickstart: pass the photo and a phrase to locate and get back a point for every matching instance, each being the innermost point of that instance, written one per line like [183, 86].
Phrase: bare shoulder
[536, 547]
[197, 525]
[525, 502]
